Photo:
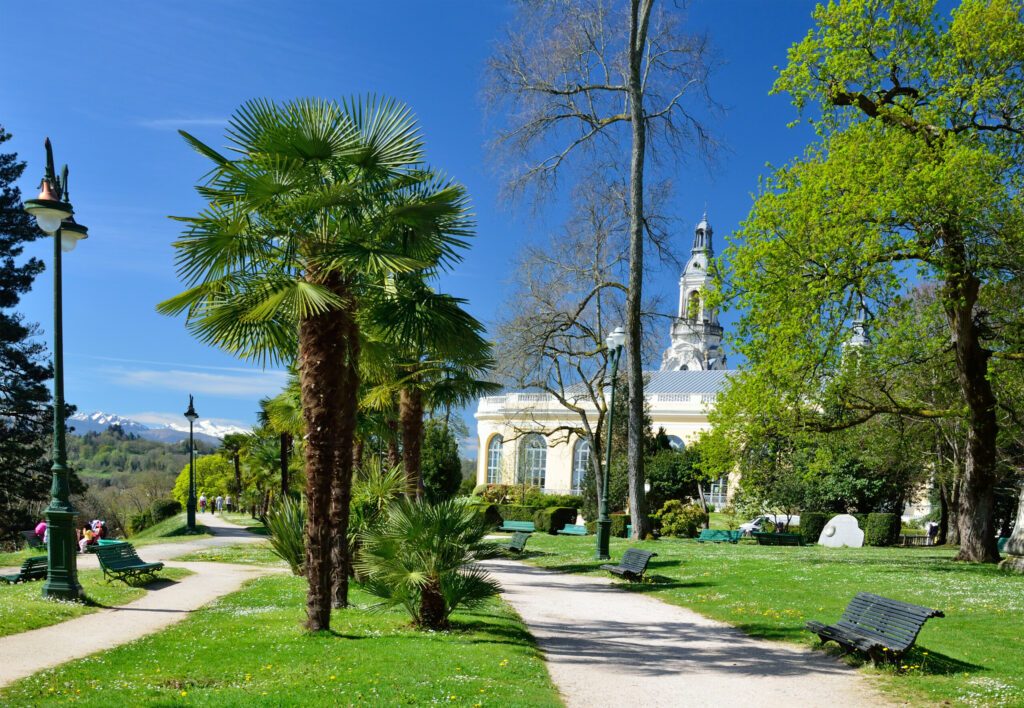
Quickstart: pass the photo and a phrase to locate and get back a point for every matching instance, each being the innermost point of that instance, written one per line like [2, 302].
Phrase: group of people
[91, 533]
[220, 503]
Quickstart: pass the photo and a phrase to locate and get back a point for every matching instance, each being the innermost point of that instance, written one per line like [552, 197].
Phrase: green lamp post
[614, 342]
[54, 215]
[190, 505]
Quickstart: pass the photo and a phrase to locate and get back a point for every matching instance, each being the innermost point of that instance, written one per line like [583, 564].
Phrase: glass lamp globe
[70, 234]
[616, 339]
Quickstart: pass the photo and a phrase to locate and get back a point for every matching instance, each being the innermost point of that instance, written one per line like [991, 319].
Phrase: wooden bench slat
[871, 622]
[633, 564]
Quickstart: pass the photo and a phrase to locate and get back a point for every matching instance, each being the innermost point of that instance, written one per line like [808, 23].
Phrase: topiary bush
[553, 519]
[812, 523]
[882, 529]
[515, 512]
[680, 520]
[619, 524]
[591, 527]
[488, 513]
[164, 509]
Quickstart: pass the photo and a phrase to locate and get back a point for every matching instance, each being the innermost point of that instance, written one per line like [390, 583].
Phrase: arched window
[676, 442]
[494, 460]
[693, 307]
[580, 464]
[534, 460]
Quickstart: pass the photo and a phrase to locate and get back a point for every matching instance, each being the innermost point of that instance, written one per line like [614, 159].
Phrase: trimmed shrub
[515, 512]
[140, 521]
[619, 524]
[812, 523]
[680, 520]
[882, 529]
[488, 512]
[564, 500]
[591, 527]
[164, 509]
[553, 519]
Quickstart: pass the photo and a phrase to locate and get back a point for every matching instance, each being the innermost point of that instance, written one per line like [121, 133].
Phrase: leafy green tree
[917, 174]
[442, 468]
[214, 476]
[25, 413]
[320, 205]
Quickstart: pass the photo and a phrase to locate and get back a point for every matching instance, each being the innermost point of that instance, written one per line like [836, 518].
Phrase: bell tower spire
[696, 334]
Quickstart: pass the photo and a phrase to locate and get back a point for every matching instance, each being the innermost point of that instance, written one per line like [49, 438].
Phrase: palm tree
[232, 447]
[435, 353]
[319, 204]
[283, 415]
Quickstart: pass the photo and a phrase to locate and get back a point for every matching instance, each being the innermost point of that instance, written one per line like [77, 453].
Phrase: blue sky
[111, 82]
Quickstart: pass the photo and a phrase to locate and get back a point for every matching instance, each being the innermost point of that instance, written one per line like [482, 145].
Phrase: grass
[243, 519]
[16, 558]
[173, 529]
[244, 553]
[971, 657]
[22, 607]
[249, 649]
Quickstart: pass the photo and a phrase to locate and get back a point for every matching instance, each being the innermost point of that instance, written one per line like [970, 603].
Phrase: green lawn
[22, 607]
[249, 649]
[244, 519]
[974, 654]
[169, 530]
[245, 553]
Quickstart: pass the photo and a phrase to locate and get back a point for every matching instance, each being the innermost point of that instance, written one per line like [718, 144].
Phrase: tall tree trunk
[285, 455]
[432, 606]
[977, 499]
[341, 488]
[410, 413]
[321, 348]
[394, 456]
[357, 452]
[238, 473]
[943, 534]
[640, 12]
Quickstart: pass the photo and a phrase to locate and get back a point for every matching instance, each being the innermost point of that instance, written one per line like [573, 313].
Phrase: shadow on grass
[936, 664]
[657, 583]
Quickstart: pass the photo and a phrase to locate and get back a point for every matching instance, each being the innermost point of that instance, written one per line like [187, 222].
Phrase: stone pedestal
[1014, 551]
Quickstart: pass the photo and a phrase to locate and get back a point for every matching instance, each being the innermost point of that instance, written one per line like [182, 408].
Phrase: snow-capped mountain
[205, 430]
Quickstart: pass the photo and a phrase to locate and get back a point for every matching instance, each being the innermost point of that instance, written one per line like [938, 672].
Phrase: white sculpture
[840, 531]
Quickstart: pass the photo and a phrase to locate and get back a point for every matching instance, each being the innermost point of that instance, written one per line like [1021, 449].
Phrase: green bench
[526, 526]
[719, 536]
[573, 530]
[778, 539]
[120, 561]
[517, 544]
[31, 540]
[33, 568]
[1001, 544]
[102, 542]
[878, 626]
[633, 564]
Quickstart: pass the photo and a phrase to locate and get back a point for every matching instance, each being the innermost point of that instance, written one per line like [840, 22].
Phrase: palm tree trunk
[238, 473]
[432, 607]
[286, 453]
[640, 12]
[357, 452]
[321, 348]
[394, 456]
[341, 487]
[410, 411]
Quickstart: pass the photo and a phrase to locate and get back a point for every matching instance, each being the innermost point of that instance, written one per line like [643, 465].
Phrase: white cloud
[247, 384]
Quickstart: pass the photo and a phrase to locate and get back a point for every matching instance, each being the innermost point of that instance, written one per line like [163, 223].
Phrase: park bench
[908, 540]
[1001, 543]
[633, 564]
[573, 530]
[120, 561]
[719, 536]
[32, 540]
[517, 544]
[778, 539]
[879, 627]
[526, 526]
[102, 542]
[33, 568]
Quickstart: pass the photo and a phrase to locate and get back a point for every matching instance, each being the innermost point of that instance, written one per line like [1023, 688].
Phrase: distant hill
[102, 458]
[98, 422]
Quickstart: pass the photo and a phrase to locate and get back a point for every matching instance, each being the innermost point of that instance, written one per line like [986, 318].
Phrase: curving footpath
[166, 603]
[607, 646]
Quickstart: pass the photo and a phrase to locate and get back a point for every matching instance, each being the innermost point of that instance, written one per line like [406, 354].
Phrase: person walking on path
[227, 503]
[220, 503]
[202, 503]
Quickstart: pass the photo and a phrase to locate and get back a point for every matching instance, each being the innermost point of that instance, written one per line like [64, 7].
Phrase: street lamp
[54, 215]
[614, 342]
[191, 504]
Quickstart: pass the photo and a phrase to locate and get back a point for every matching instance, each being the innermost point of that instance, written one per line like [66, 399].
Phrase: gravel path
[165, 603]
[606, 646]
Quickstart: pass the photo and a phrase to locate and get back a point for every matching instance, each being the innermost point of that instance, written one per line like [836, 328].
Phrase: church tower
[696, 334]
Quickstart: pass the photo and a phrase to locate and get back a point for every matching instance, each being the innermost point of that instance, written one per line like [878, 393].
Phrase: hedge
[515, 512]
[164, 509]
[812, 523]
[489, 513]
[553, 519]
[619, 523]
[140, 521]
[882, 529]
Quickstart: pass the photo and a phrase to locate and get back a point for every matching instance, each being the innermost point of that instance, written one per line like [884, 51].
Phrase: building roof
[686, 381]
